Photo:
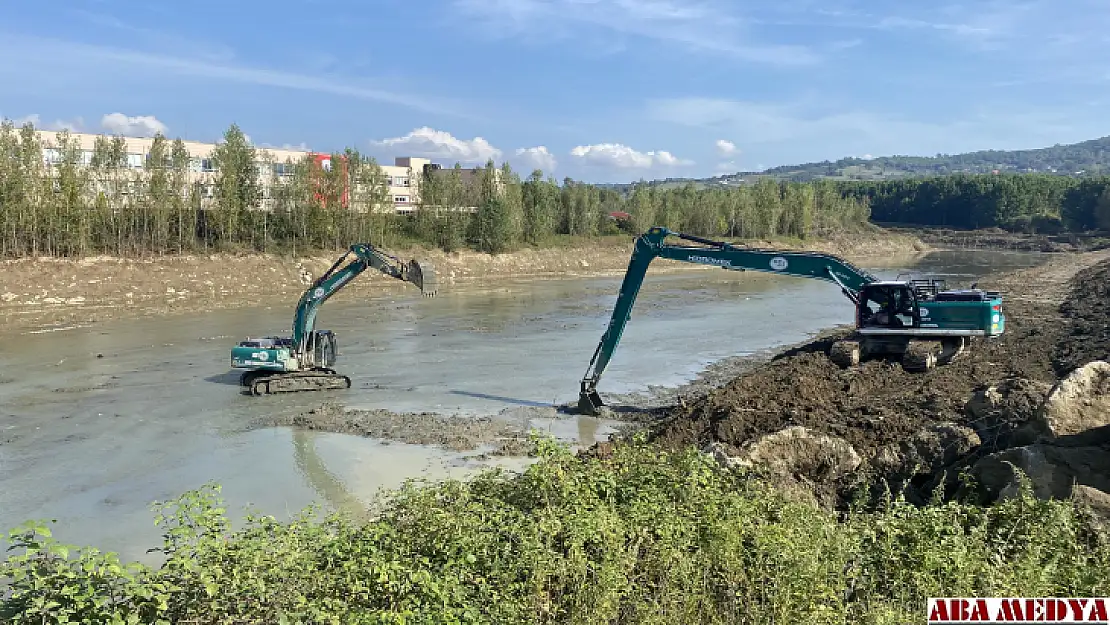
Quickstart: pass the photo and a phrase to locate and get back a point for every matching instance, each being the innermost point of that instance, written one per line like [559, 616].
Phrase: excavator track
[265, 383]
[925, 355]
[921, 356]
[845, 354]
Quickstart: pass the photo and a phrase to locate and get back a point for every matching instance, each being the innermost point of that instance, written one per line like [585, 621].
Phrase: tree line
[57, 200]
[1034, 203]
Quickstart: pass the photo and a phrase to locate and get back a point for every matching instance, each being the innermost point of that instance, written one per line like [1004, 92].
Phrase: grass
[640, 537]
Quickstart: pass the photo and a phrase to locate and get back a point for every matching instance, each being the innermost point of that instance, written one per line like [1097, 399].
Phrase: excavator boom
[335, 278]
[651, 245]
[303, 361]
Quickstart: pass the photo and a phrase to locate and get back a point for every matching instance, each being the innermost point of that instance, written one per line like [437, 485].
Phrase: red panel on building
[324, 162]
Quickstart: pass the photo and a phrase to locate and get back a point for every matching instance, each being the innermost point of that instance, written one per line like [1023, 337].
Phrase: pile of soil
[879, 409]
[1087, 311]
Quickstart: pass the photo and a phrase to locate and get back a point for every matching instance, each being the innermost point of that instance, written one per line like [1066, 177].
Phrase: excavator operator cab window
[887, 306]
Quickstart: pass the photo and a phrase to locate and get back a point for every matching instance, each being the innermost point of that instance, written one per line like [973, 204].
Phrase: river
[97, 423]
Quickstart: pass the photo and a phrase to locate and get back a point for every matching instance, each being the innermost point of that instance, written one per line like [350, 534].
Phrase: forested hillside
[1077, 159]
[1021, 202]
[1087, 158]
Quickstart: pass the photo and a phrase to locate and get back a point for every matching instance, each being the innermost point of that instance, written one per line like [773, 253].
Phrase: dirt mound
[1087, 311]
[904, 425]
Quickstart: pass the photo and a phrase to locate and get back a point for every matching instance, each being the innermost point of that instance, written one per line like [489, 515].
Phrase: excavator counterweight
[303, 361]
[918, 320]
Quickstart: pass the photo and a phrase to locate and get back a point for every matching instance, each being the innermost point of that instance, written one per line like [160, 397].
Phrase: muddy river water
[97, 423]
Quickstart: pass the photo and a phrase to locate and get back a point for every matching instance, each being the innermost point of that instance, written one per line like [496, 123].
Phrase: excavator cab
[887, 305]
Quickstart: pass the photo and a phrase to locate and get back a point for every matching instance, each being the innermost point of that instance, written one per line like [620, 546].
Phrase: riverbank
[999, 239]
[46, 294]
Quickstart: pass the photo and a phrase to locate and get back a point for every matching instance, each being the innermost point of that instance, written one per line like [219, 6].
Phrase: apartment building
[403, 176]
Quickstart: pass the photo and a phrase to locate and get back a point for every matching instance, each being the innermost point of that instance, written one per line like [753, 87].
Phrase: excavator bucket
[423, 275]
[589, 402]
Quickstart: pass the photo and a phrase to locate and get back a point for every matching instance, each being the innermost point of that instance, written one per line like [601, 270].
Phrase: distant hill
[1078, 159]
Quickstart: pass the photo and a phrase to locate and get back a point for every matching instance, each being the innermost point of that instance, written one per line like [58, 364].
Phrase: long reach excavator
[918, 320]
[303, 362]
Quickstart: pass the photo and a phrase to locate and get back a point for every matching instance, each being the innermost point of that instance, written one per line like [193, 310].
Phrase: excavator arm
[651, 245]
[339, 275]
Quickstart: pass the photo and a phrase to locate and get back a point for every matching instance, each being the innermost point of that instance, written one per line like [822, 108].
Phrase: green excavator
[919, 320]
[303, 362]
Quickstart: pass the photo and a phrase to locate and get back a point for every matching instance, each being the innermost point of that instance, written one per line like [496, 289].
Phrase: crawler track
[267, 383]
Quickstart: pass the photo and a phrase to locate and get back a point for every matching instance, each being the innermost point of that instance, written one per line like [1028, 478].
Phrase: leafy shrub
[639, 537]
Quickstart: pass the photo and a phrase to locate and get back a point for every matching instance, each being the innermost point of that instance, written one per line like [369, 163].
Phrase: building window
[207, 165]
[167, 161]
[135, 160]
[51, 156]
[401, 199]
[403, 181]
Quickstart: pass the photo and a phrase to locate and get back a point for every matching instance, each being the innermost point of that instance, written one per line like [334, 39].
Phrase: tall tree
[237, 185]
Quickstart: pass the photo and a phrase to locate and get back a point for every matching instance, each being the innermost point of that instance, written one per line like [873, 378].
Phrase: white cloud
[139, 126]
[702, 26]
[623, 157]
[59, 124]
[439, 144]
[537, 158]
[726, 147]
[32, 119]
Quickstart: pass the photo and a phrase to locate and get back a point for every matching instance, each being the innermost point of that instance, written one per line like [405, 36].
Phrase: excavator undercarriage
[917, 355]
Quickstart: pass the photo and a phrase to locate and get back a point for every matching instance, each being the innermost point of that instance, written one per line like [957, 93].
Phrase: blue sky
[598, 90]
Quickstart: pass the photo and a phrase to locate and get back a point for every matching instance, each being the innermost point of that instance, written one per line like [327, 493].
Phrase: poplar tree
[237, 187]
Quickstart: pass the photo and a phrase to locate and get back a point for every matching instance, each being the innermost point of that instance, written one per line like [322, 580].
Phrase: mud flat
[452, 432]
[999, 239]
[828, 432]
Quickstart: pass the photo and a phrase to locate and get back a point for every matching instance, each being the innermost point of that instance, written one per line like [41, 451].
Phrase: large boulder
[998, 410]
[796, 452]
[926, 452]
[1077, 403]
[1053, 470]
[1094, 500]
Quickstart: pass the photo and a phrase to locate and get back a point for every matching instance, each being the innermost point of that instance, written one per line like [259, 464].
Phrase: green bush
[639, 537]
